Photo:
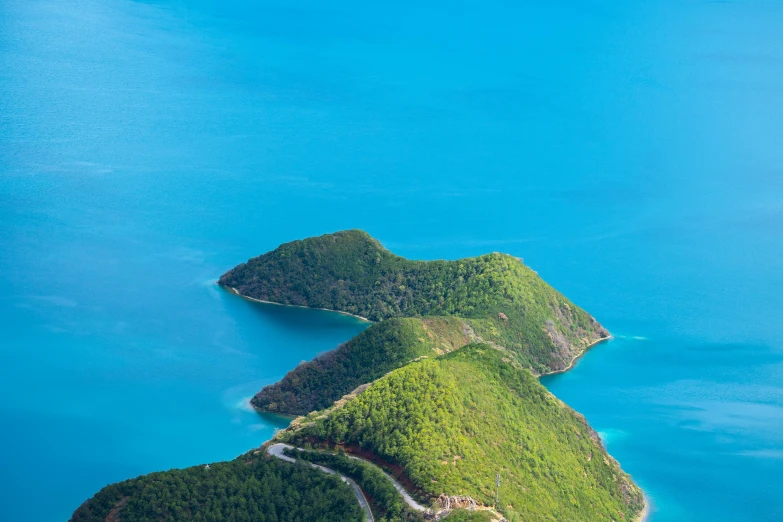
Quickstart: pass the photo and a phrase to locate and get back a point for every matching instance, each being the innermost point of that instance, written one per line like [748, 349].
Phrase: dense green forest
[386, 502]
[452, 422]
[350, 271]
[383, 347]
[251, 488]
[442, 392]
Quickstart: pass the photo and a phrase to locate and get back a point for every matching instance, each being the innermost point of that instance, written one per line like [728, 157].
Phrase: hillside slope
[441, 391]
[249, 488]
[383, 347]
[349, 271]
[451, 423]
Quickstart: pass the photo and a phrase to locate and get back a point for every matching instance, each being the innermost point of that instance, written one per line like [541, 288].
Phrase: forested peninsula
[441, 392]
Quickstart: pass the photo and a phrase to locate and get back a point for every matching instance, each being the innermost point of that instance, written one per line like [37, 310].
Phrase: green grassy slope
[249, 488]
[468, 516]
[452, 422]
[350, 271]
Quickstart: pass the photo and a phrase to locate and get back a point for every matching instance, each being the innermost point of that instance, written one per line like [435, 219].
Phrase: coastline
[645, 513]
[578, 356]
[643, 516]
[243, 296]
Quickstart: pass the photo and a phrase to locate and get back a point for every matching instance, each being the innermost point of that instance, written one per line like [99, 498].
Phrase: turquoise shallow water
[628, 151]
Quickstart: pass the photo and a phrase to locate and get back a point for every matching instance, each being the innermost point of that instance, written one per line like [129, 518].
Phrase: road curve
[408, 499]
[276, 450]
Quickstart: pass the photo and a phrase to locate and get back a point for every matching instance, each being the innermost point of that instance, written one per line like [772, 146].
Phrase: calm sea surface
[630, 151]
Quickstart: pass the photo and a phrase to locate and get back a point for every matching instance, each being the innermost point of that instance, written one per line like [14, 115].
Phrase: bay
[628, 151]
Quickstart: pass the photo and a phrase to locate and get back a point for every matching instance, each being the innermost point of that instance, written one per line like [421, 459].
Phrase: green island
[440, 393]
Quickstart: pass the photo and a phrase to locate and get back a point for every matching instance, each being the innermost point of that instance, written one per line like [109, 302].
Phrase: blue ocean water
[630, 151]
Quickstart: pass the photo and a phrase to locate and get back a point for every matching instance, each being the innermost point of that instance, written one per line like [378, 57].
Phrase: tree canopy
[451, 423]
[352, 272]
[251, 488]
